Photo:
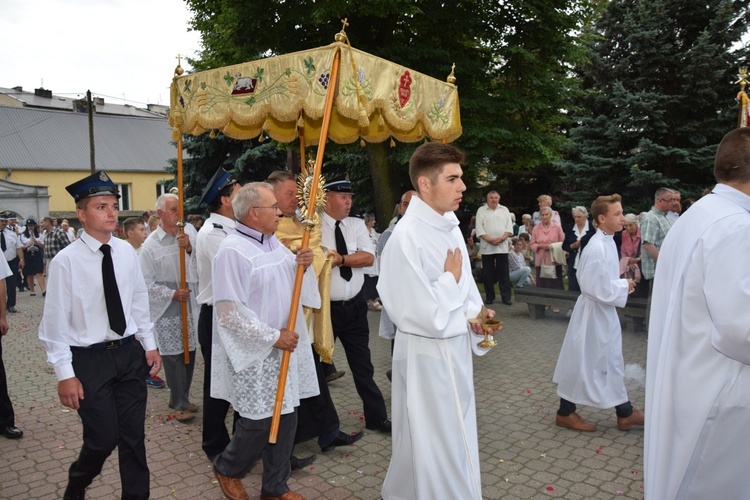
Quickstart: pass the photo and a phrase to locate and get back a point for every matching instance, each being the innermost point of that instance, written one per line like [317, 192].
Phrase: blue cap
[96, 184]
[339, 185]
[4, 215]
[219, 181]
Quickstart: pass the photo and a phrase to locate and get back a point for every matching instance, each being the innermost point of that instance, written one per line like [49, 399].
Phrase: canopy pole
[181, 225]
[333, 81]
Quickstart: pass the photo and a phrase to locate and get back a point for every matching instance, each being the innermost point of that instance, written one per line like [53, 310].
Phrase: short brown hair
[732, 163]
[429, 159]
[130, 223]
[601, 205]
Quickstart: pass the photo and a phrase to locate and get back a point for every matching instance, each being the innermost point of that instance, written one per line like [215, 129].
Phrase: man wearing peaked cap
[218, 195]
[90, 334]
[11, 245]
[348, 241]
[96, 184]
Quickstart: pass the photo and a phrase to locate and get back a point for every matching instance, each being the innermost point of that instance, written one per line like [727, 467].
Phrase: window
[124, 190]
[161, 188]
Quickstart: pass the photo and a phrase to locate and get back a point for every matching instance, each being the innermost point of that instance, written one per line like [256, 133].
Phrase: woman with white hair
[526, 225]
[576, 237]
[545, 200]
[543, 236]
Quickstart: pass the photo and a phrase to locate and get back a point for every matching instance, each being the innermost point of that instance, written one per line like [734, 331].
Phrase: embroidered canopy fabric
[278, 94]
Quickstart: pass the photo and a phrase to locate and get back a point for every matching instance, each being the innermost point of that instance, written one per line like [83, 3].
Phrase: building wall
[9, 101]
[142, 186]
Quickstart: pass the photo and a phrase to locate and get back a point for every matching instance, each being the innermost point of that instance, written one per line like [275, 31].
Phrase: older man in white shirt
[494, 229]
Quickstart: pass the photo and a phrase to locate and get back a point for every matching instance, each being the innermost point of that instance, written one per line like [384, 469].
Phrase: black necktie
[2, 241]
[346, 272]
[111, 293]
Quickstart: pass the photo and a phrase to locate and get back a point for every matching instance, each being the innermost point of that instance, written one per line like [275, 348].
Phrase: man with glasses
[654, 227]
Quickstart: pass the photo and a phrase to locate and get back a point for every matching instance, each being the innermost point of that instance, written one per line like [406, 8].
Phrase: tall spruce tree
[658, 98]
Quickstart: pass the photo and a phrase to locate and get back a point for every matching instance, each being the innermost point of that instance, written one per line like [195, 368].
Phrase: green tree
[511, 64]
[658, 98]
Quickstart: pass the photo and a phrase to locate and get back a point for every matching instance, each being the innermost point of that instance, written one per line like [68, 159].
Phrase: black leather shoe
[382, 426]
[12, 432]
[343, 440]
[507, 302]
[301, 463]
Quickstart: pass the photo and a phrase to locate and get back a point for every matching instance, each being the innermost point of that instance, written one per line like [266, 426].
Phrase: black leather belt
[104, 346]
[348, 301]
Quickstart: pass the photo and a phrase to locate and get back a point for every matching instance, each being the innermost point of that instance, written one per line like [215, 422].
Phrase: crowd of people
[156, 293]
[541, 252]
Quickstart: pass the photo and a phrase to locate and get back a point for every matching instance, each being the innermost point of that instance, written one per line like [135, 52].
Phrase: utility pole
[90, 109]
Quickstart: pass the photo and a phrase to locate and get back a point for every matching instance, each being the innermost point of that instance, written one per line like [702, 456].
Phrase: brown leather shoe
[231, 487]
[289, 495]
[575, 422]
[636, 418]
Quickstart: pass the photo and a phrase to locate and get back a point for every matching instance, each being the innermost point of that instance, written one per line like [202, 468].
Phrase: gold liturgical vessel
[488, 327]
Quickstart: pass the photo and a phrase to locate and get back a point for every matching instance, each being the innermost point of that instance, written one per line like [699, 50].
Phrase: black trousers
[349, 321]
[7, 416]
[495, 270]
[316, 416]
[250, 442]
[112, 413]
[215, 434]
[10, 282]
[623, 410]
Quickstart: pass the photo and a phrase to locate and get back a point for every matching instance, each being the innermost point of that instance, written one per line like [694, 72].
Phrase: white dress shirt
[12, 244]
[357, 238]
[493, 223]
[210, 236]
[75, 312]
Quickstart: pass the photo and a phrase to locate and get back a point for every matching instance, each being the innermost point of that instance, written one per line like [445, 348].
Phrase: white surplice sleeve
[596, 280]
[727, 299]
[416, 303]
[245, 338]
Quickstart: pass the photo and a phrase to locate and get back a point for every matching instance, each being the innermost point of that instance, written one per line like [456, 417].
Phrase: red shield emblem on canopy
[404, 89]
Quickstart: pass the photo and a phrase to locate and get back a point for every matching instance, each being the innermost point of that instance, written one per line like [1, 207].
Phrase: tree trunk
[383, 182]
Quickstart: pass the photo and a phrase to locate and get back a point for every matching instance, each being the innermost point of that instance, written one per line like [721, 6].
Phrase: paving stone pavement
[523, 454]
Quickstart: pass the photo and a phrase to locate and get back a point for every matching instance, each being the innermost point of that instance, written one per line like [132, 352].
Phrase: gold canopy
[277, 95]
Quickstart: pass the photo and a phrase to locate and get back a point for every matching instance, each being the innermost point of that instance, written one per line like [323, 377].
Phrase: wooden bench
[632, 316]
[539, 298]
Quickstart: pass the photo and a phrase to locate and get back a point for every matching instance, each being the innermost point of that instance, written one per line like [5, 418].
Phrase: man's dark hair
[278, 176]
[732, 162]
[216, 203]
[429, 159]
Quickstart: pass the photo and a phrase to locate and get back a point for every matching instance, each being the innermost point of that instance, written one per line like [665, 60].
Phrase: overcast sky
[115, 48]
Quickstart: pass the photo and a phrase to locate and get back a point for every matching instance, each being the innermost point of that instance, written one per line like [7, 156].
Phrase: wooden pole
[281, 387]
[183, 279]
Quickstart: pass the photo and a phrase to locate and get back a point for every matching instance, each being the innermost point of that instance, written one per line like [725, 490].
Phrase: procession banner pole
[181, 225]
[276, 419]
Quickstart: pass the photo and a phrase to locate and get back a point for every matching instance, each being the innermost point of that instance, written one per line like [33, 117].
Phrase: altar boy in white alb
[590, 369]
[698, 372]
[428, 289]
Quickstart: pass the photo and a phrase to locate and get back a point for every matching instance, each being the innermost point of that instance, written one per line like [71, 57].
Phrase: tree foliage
[658, 98]
[512, 64]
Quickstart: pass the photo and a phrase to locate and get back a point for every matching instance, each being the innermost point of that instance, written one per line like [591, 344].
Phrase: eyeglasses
[275, 207]
[667, 200]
